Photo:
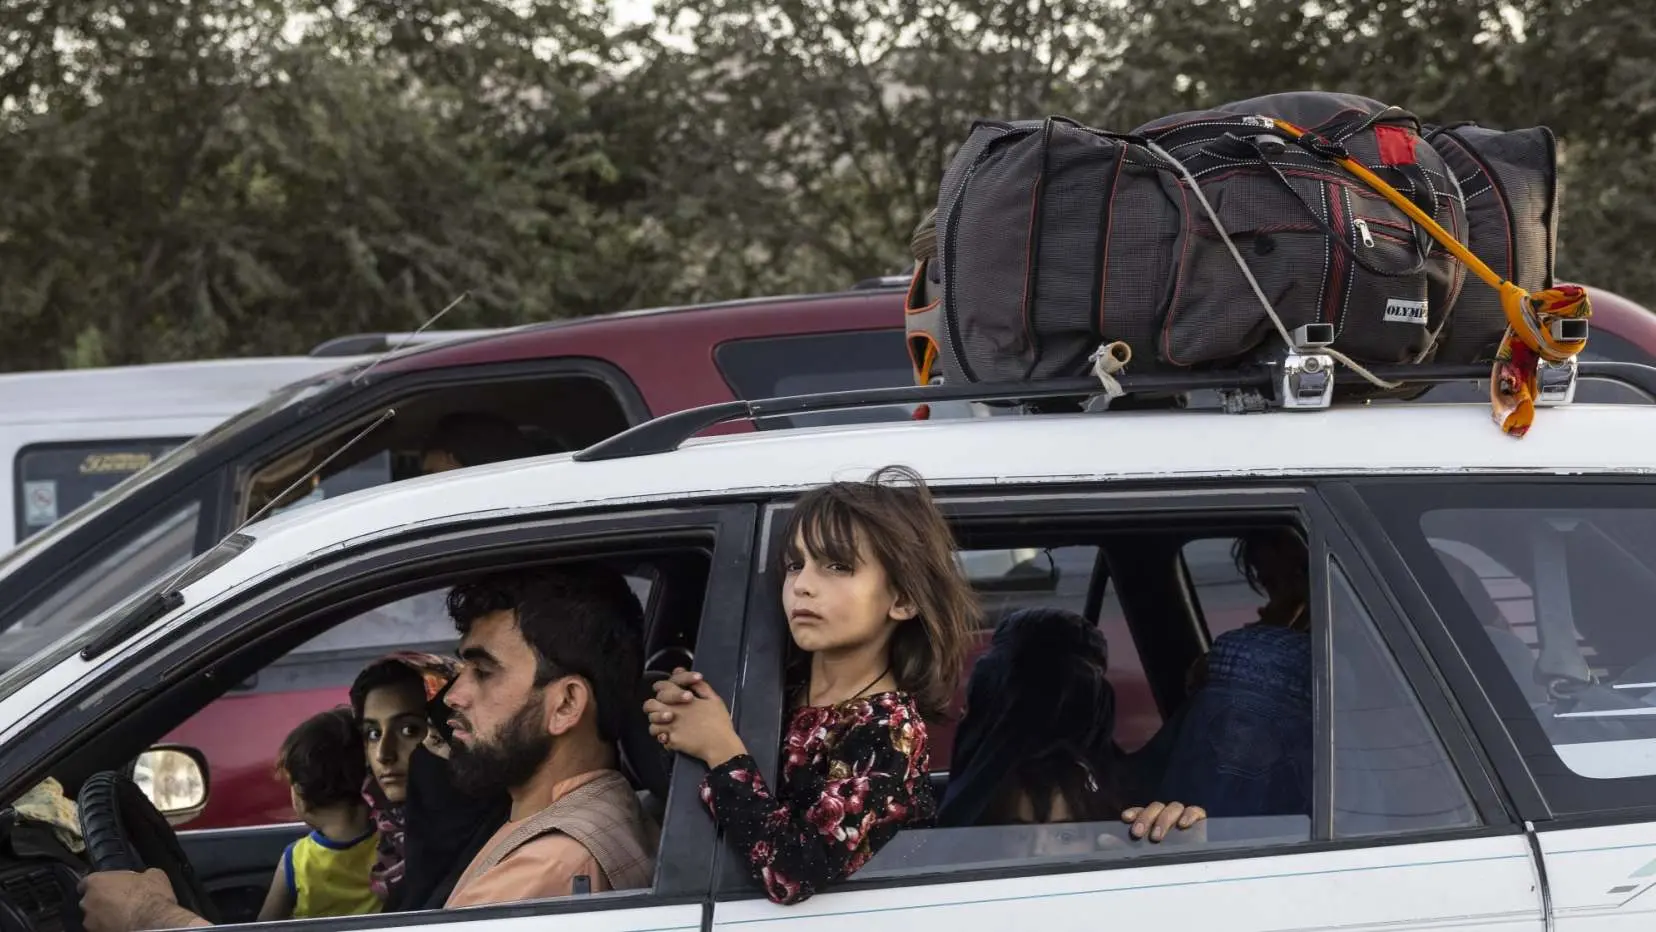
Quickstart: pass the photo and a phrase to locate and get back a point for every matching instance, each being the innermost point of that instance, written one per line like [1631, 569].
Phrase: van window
[53, 479]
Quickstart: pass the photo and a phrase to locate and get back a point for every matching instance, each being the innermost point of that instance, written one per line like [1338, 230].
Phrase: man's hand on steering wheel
[122, 901]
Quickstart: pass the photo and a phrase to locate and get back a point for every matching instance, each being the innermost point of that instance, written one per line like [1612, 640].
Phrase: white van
[68, 436]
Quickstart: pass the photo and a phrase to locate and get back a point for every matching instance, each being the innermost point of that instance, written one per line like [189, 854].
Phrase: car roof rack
[667, 432]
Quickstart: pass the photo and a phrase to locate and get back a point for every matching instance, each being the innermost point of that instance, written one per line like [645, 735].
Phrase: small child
[327, 872]
[880, 614]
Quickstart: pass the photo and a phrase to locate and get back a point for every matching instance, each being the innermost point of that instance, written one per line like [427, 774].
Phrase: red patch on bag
[1396, 145]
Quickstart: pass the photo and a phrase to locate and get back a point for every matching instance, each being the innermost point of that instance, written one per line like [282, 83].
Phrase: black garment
[1040, 715]
[445, 829]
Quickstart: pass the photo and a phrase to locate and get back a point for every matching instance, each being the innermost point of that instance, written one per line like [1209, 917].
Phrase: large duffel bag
[1509, 184]
[1054, 238]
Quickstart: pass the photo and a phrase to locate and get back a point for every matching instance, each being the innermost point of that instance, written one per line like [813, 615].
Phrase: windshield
[280, 399]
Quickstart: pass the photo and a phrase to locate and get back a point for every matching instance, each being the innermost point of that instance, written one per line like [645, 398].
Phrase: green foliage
[197, 178]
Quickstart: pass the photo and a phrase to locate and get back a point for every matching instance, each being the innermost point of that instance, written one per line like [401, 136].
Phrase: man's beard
[491, 767]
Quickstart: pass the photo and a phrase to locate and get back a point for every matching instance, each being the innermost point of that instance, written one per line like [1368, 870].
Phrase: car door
[1535, 595]
[254, 628]
[1406, 832]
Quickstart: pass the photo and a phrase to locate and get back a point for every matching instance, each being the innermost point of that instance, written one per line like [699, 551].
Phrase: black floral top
[852, 775]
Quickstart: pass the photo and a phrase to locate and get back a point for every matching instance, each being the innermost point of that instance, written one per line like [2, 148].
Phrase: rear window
[51, 480]
[804, 364]
[1549, 587]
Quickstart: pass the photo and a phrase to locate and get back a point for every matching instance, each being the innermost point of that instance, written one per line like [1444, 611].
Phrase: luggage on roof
[1209, 239]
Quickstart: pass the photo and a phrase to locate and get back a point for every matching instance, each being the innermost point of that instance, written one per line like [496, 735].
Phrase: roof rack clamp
[1555, 382]
[1307, 381]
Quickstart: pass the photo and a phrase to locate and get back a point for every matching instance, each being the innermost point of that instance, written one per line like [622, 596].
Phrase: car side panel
[1483, 883]
[1602, 879]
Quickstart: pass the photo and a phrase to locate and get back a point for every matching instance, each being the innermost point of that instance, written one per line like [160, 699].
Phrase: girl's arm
[845, 810]
[279, 901]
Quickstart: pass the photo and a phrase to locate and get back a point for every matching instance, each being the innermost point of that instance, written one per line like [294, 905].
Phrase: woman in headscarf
[1035, 745]
[426, 826]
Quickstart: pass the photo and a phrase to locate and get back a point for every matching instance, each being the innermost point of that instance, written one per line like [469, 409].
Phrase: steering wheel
[124, 831]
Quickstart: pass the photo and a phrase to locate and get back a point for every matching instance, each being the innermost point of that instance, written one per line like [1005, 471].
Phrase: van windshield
[12, 640]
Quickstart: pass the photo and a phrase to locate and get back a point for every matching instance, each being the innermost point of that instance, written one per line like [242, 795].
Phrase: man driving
[550, 661]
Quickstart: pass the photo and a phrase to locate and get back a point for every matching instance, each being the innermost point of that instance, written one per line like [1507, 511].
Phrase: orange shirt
[544, 867]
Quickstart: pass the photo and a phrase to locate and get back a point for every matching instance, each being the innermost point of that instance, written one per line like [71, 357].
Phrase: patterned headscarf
[434, 673]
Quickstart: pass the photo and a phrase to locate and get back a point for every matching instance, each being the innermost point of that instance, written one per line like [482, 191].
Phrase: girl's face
[393, 725]
[838, 607]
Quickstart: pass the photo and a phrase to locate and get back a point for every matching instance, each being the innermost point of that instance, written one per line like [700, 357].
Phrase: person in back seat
[471, 438]
[1035, 745]
[1242, 743]
[429, 828]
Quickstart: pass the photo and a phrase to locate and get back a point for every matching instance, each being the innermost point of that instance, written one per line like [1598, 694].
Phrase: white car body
[1501, 878]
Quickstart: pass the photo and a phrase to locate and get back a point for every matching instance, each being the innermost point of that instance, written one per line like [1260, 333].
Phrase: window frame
[1541, 786]
[155, 669]
[759, 715]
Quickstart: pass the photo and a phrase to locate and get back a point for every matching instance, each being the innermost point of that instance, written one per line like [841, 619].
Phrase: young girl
[880, 614]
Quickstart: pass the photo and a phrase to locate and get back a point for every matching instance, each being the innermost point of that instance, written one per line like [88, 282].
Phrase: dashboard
[39, 879]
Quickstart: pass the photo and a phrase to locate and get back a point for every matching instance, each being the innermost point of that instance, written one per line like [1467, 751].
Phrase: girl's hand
[687, 716]
[1158, 818]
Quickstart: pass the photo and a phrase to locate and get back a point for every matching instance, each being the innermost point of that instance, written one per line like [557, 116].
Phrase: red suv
[565, 385]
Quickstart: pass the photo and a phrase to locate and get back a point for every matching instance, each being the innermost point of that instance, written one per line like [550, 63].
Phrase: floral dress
[852, 775]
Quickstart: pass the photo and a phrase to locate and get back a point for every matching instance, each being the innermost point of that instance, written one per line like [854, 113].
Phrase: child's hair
[324, 759]
[894, 514]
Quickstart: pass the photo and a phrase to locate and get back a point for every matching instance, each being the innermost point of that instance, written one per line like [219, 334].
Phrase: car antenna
[385, 415]
[357, 379]
[167, 597]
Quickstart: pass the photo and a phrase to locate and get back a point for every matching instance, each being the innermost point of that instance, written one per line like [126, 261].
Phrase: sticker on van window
[40, 502]
[97, 464]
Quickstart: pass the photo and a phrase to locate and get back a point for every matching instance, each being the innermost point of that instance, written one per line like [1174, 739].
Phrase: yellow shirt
[330, 878]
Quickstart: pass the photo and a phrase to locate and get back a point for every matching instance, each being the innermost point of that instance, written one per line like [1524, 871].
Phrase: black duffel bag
[1053, 238]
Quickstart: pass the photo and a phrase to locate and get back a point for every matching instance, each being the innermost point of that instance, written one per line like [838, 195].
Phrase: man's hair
[474, 438]
[582, 621]
[324, 759]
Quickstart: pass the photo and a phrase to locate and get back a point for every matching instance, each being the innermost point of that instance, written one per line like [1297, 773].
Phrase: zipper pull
[1363, 231]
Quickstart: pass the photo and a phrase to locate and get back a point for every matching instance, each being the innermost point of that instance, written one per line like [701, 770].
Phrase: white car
[1485, 725]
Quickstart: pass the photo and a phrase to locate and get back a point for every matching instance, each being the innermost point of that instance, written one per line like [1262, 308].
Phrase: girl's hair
[894, 515]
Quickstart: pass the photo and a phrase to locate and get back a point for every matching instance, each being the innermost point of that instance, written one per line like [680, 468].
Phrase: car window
[1391, 773]
[1560, 595]
[1221, 589]
[805, 364]
[1010, 580]
[51, 480]
[314, 676]
[483, 422]
[145, 555]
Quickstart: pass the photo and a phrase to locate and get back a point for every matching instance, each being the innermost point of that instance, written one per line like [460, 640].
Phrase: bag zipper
[1363, 231]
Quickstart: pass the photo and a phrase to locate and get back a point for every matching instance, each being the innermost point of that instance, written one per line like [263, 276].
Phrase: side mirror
[1023, 570]
[175, 780]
